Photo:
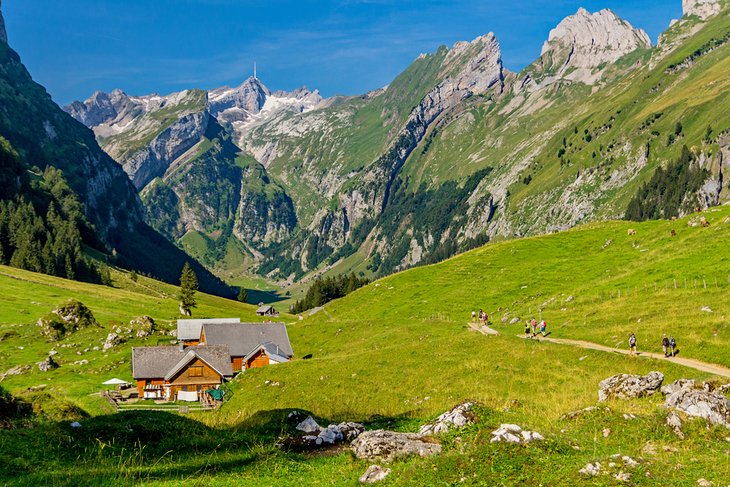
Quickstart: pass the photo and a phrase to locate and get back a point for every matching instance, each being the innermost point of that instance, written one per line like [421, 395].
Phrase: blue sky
[74, 47]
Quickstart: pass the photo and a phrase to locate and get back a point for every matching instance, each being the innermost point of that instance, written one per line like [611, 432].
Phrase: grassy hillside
[398, 352]
[28, 296]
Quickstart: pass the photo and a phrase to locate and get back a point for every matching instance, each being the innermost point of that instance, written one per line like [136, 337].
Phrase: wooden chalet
[175, 372]
[266, 310]
[250, 344]
[188, 331]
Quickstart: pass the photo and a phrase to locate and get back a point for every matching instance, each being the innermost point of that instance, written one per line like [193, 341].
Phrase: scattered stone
[112, 340]
[627, 386]
[75, 424]
[295, 417]
[96, 348]
[704, 483]
[606, 432]
[710, 405]
[514, 321]
[81, 362]
[143, 326]
[511, 433]
[591, 469]
[17, 370]
[608, 243]
[677, 385]
[569, 298]
[458, 417]
[48, 364]
[622, 476]
[374, 474]
[675, 422]
[580, 359]
[706, 309]
[629, 416]
[589, 409]
[389, 445]
[309, 425]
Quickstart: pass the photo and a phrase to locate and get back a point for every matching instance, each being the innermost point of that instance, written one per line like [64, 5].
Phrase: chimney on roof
[180, 346]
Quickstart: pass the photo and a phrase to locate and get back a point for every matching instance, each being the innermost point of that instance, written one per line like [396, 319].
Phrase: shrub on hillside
[66, 319]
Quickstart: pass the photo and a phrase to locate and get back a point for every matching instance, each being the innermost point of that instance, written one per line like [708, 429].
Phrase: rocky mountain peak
[479, 63]
[249, 97]
[583, 42]
[3, 34]
[701, 8]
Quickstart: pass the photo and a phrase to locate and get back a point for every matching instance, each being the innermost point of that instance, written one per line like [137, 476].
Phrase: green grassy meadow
[395, 354]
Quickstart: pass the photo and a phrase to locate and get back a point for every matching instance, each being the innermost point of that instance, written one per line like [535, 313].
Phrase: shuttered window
[196, 371]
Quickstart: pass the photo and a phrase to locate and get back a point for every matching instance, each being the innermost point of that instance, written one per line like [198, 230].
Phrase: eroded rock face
[48, 364]
[581, 43]
[386, 446]
[701, 8]
[702, 403]
[314, 436]
[627, 386]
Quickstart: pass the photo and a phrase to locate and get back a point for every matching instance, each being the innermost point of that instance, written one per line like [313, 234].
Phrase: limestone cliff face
[582, 43]
[3, 33]
[703, 9]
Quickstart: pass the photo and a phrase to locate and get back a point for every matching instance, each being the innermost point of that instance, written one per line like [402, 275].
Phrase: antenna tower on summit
[254, 70]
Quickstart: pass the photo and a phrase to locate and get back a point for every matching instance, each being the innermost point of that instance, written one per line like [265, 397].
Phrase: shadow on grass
[136, 446]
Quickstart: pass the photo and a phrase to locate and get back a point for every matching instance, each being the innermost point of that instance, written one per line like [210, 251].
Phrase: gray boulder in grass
[387, 446]
[628, 386]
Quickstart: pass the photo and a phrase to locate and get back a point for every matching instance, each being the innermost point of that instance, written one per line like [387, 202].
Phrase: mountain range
[37, 134]
[456, 151]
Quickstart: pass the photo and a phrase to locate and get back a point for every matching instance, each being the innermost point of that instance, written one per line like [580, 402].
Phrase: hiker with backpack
[527, 329]
[473, 316]
[665, 345]
[672, 345]
[632, 344]
[543, 327]
[533, 325]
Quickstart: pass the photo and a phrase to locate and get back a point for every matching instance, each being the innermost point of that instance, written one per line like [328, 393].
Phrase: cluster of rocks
[696, 400]
[66, 319]
[628, 386]
[314, 436]
[511, 433]
[458, 417]
[616, 466]
[374, 474]
[140, 327]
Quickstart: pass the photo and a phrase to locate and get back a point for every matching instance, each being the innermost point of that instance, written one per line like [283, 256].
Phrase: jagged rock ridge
[582, 43]
[703, 9]
[3, 33]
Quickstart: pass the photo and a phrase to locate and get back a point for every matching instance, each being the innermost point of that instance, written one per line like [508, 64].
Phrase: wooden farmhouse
[209, 352]
[171, 372]
[266, 310]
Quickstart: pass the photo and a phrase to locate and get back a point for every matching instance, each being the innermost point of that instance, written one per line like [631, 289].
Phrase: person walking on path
[672, 345]
[527, 330]
[533, 324]
[543, 327]
[632, 344]
[481, 316]
[665, 345]
[473, 316]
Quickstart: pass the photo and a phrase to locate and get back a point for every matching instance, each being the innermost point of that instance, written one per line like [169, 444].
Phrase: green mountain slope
[44, 136]
[398, 352]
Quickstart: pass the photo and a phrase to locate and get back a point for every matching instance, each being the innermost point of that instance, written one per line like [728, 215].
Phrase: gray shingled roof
[190, 329]
[265, 309]
[272, 351]
[157, 362]
[244, 337]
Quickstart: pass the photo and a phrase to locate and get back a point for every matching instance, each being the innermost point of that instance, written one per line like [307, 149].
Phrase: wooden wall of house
[141, 383]
[237, 363]
[184, 379]
[260, 359]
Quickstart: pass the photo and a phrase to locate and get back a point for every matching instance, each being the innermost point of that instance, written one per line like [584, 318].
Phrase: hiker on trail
[543, 327]
[486, 318]
[533, 324]
[527, 330]
[665, 345]
[632, 344]
[672, 344]
[473, 316]
[481, 316]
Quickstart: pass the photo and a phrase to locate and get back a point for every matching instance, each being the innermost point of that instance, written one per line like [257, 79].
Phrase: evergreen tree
[242, 295]
[188, 288]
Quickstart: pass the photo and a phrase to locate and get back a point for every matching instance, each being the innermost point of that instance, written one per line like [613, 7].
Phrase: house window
[196, 371]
